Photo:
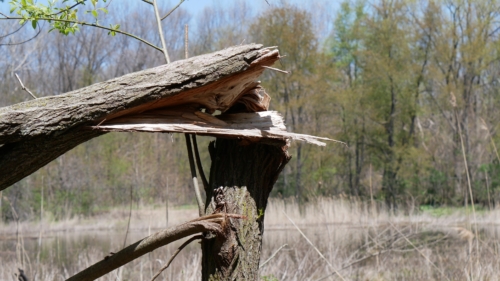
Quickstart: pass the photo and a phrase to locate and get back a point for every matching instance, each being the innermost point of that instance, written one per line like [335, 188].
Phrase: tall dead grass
[361, 241]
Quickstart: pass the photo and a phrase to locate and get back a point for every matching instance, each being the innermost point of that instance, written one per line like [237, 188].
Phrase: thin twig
[201, 207]
[171, 11]
[491, 138]
[100, 123]
[88, 24]
[24, 88]
[199, 200]
[69, 8]
[198, 163]
[13, 32]
[129, 217]
[175, 254]
[186, 41]
[160, 31]
[22, 42]
[272, 256]
[469, 185]
[275, 69]
[420, 252]
[309, 241]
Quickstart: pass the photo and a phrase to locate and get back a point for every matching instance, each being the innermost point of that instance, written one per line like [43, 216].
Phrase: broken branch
[210, 223]
[199, 200]
[275, 69]
[24, 88]
[198, 163]
[173, 9]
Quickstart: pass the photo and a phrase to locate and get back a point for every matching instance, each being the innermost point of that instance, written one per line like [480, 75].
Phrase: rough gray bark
[248, 173]
[34, 133]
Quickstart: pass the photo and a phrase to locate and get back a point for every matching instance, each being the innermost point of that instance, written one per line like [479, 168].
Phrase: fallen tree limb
[207, 80]
[210, 223]
[35, 132]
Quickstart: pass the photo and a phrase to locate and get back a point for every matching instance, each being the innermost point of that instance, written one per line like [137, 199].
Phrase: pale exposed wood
[214, 81]
[35, 132]
[265, 124]
[167, 98]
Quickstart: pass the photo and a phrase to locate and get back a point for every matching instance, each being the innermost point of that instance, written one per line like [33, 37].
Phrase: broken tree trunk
[247, 173]
[35, 132]
[248, 155]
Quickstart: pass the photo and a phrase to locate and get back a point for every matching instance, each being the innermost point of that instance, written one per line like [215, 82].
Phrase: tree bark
[35, 132]
[247, 173]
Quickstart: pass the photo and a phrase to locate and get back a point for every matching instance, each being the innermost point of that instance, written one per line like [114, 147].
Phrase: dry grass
[362, 242]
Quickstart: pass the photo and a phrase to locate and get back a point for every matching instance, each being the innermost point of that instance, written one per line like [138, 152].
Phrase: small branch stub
[275, 69]
[23, 87]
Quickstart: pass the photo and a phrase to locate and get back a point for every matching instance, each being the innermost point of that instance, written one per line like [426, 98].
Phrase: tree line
[410, 87]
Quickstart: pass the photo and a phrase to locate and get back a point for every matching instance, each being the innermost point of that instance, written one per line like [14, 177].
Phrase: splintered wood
[177, 97]
[250, 126]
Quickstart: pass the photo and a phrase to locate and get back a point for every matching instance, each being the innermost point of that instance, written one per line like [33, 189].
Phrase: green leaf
[33, 23]
[94, 13]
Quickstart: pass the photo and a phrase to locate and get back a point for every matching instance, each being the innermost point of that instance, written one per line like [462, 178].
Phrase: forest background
[410, 86]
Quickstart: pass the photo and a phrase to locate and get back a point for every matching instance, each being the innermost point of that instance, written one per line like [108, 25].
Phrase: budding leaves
[62, 15]
[115, 27]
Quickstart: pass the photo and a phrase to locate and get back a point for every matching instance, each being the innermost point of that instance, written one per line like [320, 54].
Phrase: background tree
[291, 29]
[339, 84]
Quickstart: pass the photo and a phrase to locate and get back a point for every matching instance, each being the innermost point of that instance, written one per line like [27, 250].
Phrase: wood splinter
[275, 69]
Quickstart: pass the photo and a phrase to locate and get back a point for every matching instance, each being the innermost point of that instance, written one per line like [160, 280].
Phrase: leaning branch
[173, 9]
[37, 131]
[210, 223]
[201, 207]
[23, 87]
[160, 31]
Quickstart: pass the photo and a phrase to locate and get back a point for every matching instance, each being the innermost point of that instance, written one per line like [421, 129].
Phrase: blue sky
[196, 6]
[322, 10]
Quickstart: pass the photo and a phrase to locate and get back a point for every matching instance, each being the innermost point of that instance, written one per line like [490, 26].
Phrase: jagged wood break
[247, 156]
[178, 97]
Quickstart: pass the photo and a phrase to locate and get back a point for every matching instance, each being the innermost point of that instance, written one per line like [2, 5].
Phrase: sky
[195, 7]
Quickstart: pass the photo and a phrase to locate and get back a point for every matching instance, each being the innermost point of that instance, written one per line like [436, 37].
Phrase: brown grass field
[349, 240]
